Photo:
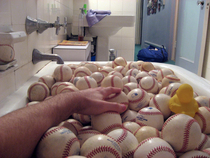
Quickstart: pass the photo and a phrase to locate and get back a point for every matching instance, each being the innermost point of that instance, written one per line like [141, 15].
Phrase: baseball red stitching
[80, 72]
[122, 137]
[48, 133]
[155, 103]
[203, 142]
[148, 89]
[158, 149]
[186, 135]
[61, 73]
[107, 129]
[87, 81]
[68, 147]
[30, 89]
[128, 154]
[172, 78]
[102, 149]
[140, 99]
[149, 113]
[203, 121]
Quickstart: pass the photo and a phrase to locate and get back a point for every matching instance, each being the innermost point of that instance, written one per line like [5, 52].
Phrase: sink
[105, 28]
[108, 26]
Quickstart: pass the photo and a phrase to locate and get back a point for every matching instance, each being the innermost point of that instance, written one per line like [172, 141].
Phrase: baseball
[120, 61]
[195, 154]
[207, 150]
[105, 70]
[84, 119]
[48, 80]
[138, 99]
[204, 142]
[32, 103]
[112, 81]
[7, 53]
[83, 135]
[82, 71]
[110, 64]
[129, 115]
[203, 118]
[98, 76]
[69, 89]
[172, 88]
[130, 86]
[116, 73]
[127, 141]
[86, 82]
[164, 72]
[203, 101]
[132, 65]
[74, 80]
[106, 122]
[128, 79]
[58, 142]
[72, 124]
[149, 84]
[150, 116]
[121, 69]
[73, 67]
[147, 66]
[54, 88]
[140, 75]
[118, 98]
[101, 145]
[91, 66]
[182, 132]
[62, 73]
[161, 102]
[131, 126]
[154, 147]
[168, 79]
[38, 91]
[145, 132]
[153, 73]
[61, 86]
[132, 72]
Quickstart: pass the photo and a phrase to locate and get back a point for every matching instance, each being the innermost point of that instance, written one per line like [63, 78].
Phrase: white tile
[7, 83]
[31, 8]
[92, 4]
[128, 32]
[129, 6]
[115, 43]
[116, 6]
[127, 54]
[127, 43]
[5, 12]
[18, 9]
[104, 4]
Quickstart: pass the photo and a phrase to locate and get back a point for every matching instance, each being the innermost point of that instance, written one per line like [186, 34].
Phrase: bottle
[111, 55]
[85, 8]
[81, 26]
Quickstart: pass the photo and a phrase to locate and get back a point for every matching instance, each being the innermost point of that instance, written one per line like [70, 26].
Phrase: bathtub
[18, 99]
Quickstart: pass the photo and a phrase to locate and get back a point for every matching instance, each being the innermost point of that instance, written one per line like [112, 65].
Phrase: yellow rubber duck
[183, 101]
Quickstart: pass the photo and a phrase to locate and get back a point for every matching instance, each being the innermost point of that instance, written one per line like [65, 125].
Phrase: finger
[99, 107]
[110, 90]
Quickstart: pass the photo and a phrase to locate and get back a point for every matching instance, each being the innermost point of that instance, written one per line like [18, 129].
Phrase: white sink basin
[108, 26]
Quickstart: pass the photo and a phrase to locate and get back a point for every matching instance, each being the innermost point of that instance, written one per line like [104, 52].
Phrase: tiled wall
[14, 12]
[124, 40]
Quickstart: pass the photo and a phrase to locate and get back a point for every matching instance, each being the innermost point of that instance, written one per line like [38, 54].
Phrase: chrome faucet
[40, 26]
[37, 56]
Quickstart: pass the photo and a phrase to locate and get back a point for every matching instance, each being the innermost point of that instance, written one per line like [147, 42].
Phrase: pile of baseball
[147, 129]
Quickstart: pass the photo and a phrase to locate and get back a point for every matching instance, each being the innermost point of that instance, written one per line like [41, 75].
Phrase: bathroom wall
[124, 40]
[14, 12]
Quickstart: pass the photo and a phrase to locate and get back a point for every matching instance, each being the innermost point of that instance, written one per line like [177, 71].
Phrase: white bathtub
[19, 98]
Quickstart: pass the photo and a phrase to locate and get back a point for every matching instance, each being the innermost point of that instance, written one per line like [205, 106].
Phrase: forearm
[21, 130]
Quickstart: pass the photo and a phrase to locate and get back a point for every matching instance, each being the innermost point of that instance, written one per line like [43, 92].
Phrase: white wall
[14, 12]
[124, 40]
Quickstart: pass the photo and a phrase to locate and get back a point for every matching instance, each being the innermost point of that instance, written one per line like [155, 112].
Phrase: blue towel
[94, 16]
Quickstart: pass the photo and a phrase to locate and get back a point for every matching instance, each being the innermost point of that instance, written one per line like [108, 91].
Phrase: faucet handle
[57, 25]
[65, 25]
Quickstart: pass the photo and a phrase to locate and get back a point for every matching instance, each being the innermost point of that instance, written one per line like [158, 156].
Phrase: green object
[85, 8]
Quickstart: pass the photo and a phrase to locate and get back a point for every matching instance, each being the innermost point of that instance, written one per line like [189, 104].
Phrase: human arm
[21, 130]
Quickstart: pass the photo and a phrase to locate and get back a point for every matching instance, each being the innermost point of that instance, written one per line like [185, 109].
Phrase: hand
[92, 101]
